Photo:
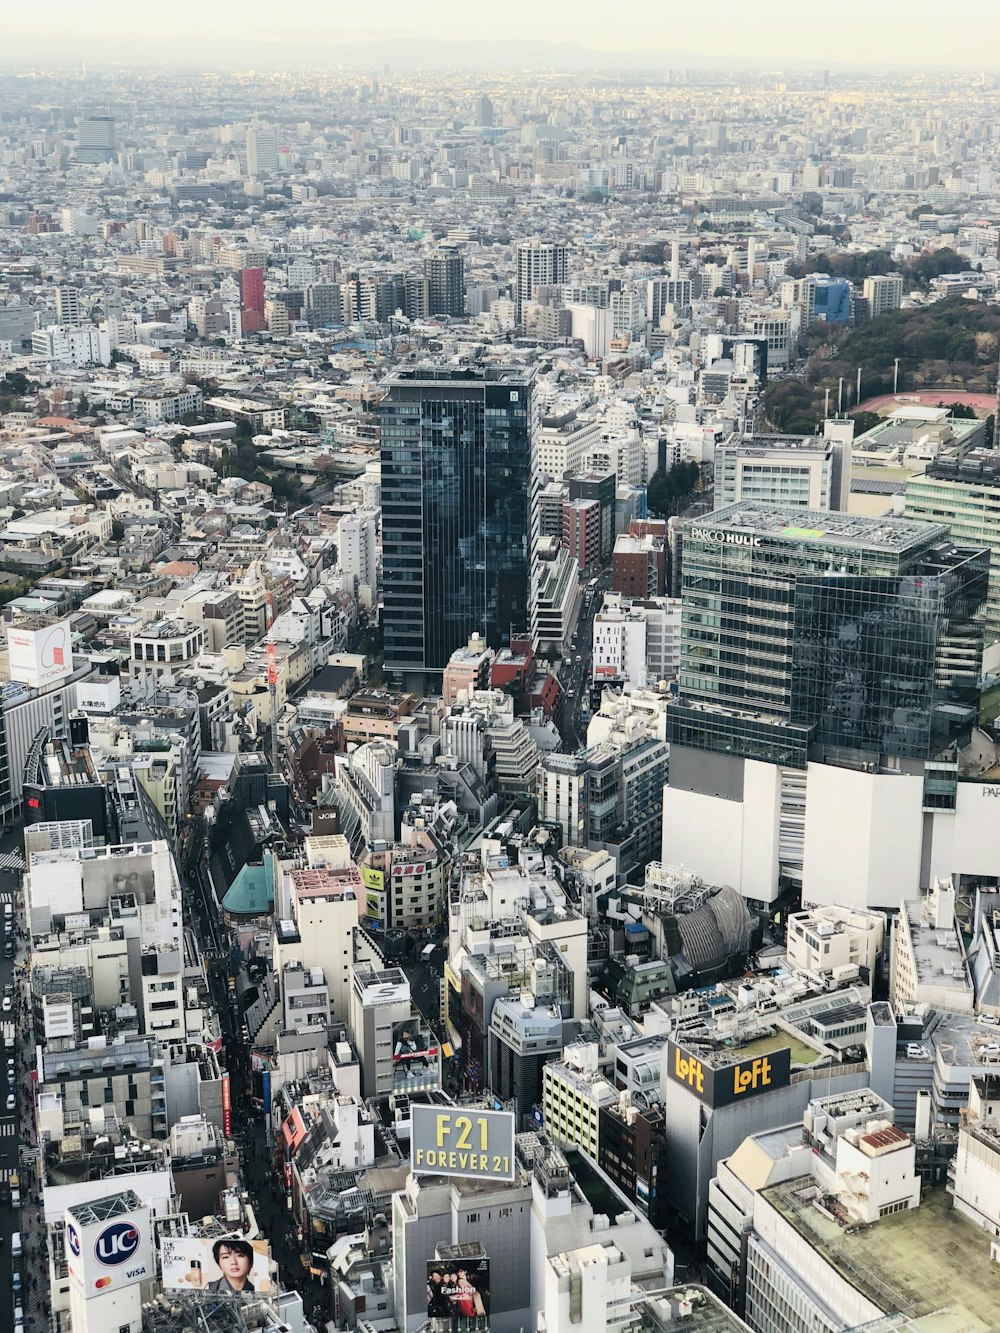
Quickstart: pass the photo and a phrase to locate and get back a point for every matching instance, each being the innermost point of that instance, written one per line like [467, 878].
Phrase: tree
[864, 422]
[991, 423]
[960, 410]
[117, 530]
[83, 405]
[668, 490]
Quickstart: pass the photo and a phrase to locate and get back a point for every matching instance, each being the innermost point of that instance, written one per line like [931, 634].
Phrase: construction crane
[272, 679]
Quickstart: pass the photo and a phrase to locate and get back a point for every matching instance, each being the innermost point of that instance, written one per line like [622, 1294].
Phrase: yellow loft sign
[731, 1083]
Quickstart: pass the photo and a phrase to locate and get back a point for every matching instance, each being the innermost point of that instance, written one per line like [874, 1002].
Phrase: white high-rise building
[620, 645]
[72, 347]
[68, 307]
[883, 292]
[539, 264]
[356, 546]
[262, 151]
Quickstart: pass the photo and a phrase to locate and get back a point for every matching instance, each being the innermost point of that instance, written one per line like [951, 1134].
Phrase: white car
[10, 1101]
[6, 1004]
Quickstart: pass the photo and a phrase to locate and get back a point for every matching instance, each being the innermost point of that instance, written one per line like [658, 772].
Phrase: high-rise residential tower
[458, 511]
[539, 264]
[68, 306]
[445, 274]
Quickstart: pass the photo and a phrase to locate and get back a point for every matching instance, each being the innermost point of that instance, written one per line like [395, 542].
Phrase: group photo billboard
[458, 1295]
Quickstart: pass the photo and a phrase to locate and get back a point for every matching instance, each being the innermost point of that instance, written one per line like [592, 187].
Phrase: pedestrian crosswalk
[11, 861]
[7, 1128]
[7, 1173]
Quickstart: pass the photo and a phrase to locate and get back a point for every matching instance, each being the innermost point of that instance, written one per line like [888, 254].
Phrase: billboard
[374, 882]
[458, 1294]
[293, 1129]
[415, 1056]
[227, 1106]
[40, 654]
[110, 1252]
[452, 1141]
[225, 1264]
[731, 1083]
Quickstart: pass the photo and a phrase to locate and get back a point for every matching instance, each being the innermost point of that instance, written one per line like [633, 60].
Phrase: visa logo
[135, 1272]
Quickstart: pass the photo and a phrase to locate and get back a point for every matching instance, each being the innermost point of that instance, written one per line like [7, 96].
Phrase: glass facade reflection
[458, 511]
[862, 634]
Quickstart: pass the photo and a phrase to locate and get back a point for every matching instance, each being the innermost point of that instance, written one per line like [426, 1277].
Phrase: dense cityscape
[499, 692]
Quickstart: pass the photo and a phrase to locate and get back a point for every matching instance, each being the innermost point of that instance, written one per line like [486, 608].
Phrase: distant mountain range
[419, 53]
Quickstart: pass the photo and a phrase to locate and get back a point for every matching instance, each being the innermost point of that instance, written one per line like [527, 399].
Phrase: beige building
[825, 939]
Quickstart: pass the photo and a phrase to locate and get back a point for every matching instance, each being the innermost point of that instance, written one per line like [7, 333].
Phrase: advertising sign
[452, 1141]
[410, 1046]
[228, 1264]
[293, 1128]
[731, 1083]
[227, 1106]
[41, 654]
[374, 882]
[458, 1295]
[110, 1252]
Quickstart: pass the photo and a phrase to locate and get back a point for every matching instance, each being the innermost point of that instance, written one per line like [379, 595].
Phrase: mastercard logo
[103, 1282]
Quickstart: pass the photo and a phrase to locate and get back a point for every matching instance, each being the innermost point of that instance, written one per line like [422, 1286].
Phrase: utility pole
[858, 396]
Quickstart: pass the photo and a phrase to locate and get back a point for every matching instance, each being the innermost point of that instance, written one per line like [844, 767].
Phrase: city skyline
[894, 36]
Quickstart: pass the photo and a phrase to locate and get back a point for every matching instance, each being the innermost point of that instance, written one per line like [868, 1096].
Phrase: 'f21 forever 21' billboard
[462, 1141]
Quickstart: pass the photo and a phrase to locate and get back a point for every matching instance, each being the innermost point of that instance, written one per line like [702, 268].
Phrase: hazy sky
[914, 32]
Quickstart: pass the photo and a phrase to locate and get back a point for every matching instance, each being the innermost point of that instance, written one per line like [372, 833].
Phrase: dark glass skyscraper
[847, 638]
[458, 511]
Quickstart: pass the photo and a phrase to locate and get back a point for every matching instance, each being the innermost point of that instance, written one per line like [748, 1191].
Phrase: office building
[534, 1229]
[883, 292]
[787, 611]
[539, 264]
[524, 1036]
[398, 1052]
[445, 274]
[796, 625]
[96, 140]
[458, 511]
[484, 112]
[964, 494]
[262, 152]
[807, 471]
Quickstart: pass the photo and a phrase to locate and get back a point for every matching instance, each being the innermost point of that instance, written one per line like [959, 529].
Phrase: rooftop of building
[816, 526]
[460, 375]
[761, 444]
[918, 1262]
[688, 1309]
